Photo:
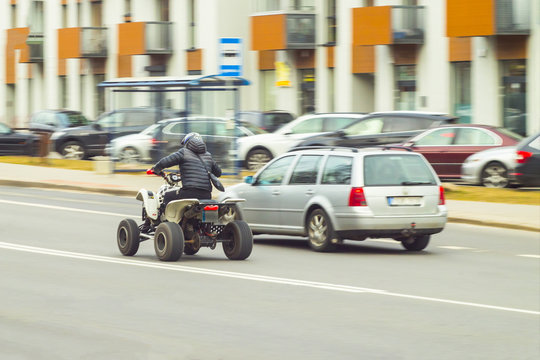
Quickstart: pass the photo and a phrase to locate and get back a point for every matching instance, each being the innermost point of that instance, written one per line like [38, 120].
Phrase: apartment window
[462, 91]
[62, 80]
[191, 22]
[79, 14]
[303, 4]
[36, 17]
[370, 3]
[331, 22]
[267, 5]
[64, 16]
[97, 19]
[127, 10]
[13, 15]
[514, 85]
[405, 89]
[163, 10]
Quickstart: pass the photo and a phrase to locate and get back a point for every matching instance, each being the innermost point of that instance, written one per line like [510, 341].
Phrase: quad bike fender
[175, 209]
[150, 203]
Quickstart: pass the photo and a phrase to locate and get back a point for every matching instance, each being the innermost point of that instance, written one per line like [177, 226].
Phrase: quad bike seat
[209, 201]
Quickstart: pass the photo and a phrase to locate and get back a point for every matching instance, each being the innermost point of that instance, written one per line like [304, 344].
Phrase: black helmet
[189, 136]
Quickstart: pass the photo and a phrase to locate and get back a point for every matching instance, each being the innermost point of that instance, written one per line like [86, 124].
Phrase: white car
[256, 151]
[490, 167]
[133, 148]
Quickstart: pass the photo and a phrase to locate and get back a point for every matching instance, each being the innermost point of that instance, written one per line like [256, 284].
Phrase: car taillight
[357, 197]
[522, 156]
[153, 141]
[441, 196]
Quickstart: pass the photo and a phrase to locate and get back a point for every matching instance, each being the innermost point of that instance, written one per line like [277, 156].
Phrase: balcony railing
[513, 17]
[35, 45]
[93, 42]
[408, 24]
[158, 37]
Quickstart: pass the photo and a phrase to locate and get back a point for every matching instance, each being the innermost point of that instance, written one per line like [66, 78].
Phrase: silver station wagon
[332, 194]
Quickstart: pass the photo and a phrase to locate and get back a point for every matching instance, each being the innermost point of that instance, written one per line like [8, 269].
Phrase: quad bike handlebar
[171, 178]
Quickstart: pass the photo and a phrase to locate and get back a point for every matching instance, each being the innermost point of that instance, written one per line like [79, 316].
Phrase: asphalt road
[67, 293]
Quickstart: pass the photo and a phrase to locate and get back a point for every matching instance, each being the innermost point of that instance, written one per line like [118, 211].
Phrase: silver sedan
[490, 167]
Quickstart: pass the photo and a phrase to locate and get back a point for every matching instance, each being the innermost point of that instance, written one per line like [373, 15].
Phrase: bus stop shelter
[211, 96]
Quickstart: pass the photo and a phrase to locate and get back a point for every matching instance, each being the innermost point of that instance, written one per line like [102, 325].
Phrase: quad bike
[184, 226]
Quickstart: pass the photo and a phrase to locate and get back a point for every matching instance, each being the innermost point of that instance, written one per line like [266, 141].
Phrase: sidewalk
[523, 217]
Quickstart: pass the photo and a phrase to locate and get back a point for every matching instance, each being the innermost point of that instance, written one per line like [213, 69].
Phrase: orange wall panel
[372, 25]
[131, 38]
[62, 68]
[16, 40]
[511, 47]
[470, 17]
[124, 66]
[267, 59]
[69, 43]
[194, 60]
[363, 59]
[330, 56]
[268, 32]
[459, 49]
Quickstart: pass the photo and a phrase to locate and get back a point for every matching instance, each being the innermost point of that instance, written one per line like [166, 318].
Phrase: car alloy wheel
[73, 150]
[130, 155]
[495, 175]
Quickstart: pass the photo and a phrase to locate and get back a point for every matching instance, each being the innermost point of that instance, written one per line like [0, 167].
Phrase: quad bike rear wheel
[169, 241]
[240, 238]
[192, 248]
[127, 237]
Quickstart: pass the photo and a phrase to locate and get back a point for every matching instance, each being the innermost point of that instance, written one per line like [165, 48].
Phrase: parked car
[490, 167]
[83, 142]
[332, 194]
[380, 128]
[527, 168]
[270, 120]
[447, 147]
[218, 133]
[17, 143]
[256, 151]
[55, 120]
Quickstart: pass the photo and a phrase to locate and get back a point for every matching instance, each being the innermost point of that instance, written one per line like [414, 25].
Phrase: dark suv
[269, 120]
[85, 141]
[381, 128]
[54, 120]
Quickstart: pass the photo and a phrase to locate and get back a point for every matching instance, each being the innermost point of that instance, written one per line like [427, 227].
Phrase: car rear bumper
[387, 233]
[389, 226]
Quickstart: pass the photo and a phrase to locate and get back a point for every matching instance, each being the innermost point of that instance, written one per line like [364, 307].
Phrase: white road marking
[66, 208]
[531, 256]
[252, 277]
[456, 247]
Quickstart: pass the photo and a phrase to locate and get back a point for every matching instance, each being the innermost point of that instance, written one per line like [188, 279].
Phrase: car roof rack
[390, 147]
[327, 147]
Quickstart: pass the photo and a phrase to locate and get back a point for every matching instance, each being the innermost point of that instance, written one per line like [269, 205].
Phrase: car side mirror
[248, 179]
[96, 126]
[409, 144]
[341, 133]
[288, 132]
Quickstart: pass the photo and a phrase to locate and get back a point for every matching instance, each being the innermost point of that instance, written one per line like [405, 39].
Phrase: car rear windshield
[511, 134]
[397, 169]
[76, 119]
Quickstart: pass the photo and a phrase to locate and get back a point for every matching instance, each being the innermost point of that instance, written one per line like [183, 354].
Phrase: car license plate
[210, 216]
[404, 200]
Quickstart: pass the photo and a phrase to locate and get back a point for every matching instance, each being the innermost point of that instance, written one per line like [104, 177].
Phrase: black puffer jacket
[192, 171]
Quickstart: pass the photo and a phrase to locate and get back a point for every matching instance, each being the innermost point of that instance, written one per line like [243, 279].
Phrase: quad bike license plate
[210, 214]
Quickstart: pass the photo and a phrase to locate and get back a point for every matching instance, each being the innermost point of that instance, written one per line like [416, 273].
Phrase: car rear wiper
[417, 183]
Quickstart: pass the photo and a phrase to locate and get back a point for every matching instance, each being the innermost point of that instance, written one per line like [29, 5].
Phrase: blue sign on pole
[230, 57]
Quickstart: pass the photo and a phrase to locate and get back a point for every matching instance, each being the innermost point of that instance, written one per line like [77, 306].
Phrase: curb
[132, 193]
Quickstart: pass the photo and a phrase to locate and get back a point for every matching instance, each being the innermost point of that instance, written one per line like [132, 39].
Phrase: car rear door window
[475, 136]
[306, 170]
[395, 124]
[365, 127]
[310, 125]
[275, 172]
[397, 169]
[437, 137]
[336, 123]
[337, 170]
[142, 118]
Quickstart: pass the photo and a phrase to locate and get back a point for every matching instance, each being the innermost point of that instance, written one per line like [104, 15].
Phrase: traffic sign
[230, 57]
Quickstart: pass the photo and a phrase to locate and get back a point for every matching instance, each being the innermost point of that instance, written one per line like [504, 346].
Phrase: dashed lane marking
[252, 277]
[530, 256]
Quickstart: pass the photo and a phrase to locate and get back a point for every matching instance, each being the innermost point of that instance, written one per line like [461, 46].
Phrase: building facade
[479, 60]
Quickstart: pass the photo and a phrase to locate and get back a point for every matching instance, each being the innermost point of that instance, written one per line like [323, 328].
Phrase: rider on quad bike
[195, 181]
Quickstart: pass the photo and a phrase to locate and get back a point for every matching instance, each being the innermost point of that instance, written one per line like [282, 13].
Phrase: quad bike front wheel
[169, 241]
[127, 237]
[240, 240]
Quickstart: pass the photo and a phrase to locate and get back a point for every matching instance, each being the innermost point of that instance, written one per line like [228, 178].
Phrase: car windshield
[397, 169]
[254, 129]
[150, 130]
[74, 119]
[4, 129]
